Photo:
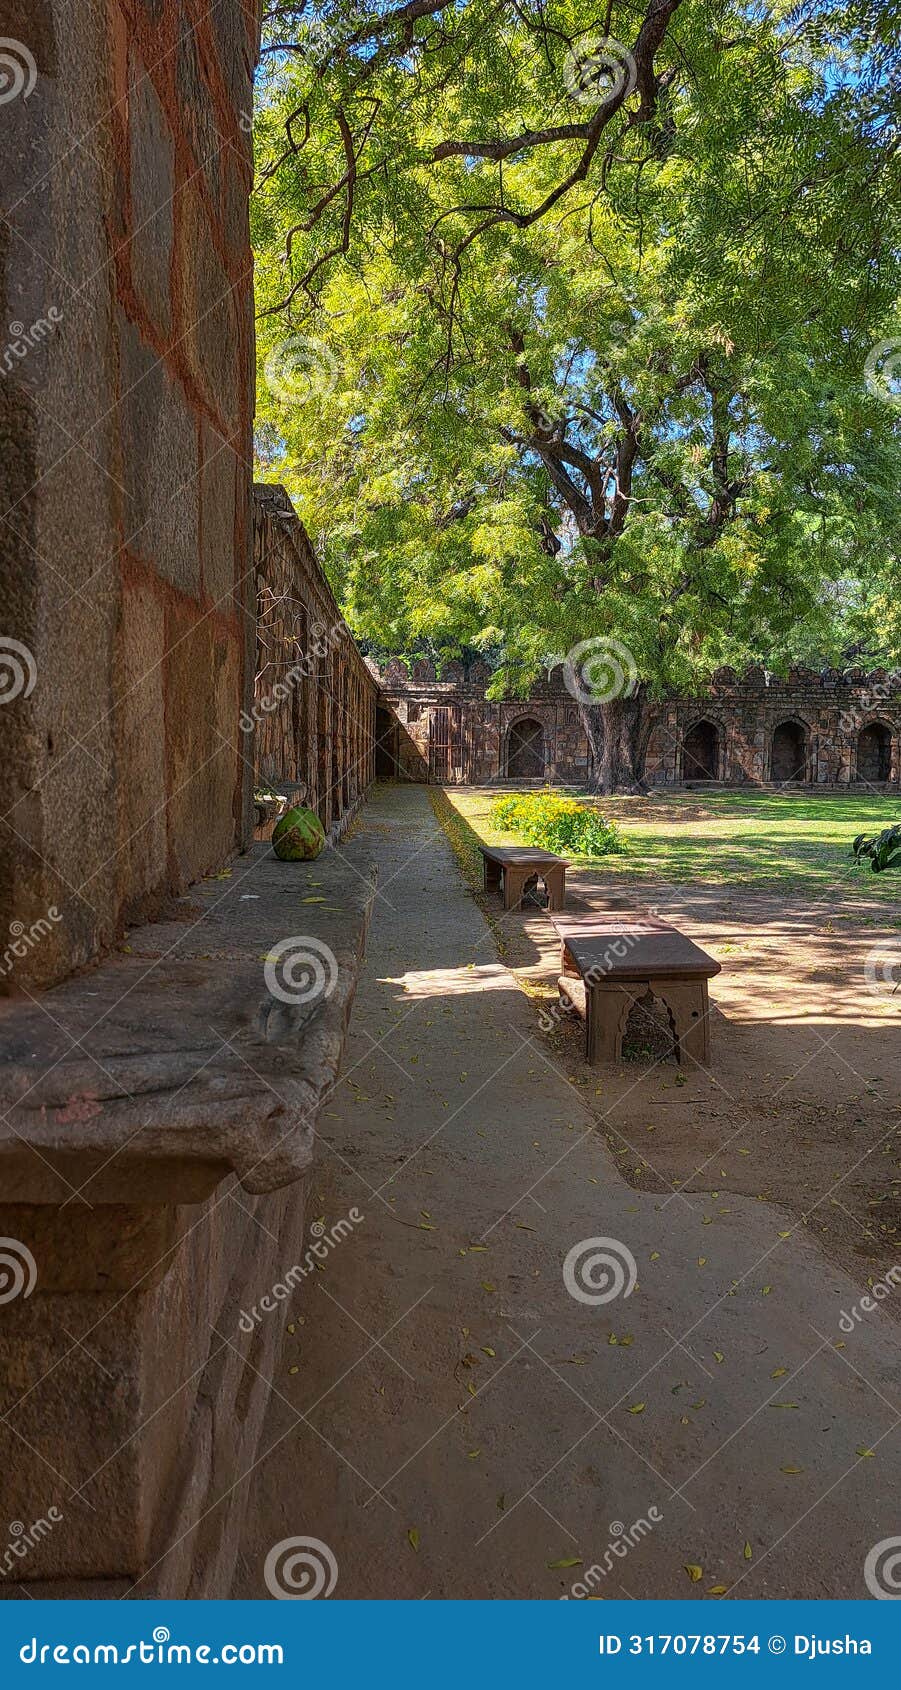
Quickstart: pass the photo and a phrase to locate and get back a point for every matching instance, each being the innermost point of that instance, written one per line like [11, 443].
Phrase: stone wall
[314, 712]
[842, 722]
[157, 1129]
[126, 339]
[812, 728]
[137, 1440]
[158, 1108]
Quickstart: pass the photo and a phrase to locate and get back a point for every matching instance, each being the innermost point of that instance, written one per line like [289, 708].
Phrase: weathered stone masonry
[157, 1102]
[314, 709]
[811, 728]
[125, 544]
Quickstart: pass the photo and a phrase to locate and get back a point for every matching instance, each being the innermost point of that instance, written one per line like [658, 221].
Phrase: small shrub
[557, 823]
[883, 849]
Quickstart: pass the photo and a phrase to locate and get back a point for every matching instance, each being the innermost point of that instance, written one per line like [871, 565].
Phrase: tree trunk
[614, 732]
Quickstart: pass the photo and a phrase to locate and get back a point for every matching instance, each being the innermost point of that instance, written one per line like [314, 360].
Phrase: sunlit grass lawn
[772, 841]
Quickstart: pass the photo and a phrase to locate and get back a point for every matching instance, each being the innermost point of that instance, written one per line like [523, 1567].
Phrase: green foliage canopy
[559, 343]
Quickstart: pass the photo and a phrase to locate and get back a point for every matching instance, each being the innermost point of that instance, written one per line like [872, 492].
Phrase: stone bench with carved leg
[610, 961]
[509, 868]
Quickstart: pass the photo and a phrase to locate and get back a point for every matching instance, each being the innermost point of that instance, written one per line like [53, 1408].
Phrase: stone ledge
[171, 1065]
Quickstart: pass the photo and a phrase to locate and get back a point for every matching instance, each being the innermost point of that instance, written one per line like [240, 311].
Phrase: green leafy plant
[557, 823]
[883, 849]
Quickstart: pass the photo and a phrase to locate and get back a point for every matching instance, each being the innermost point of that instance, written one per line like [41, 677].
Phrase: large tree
[645, 427]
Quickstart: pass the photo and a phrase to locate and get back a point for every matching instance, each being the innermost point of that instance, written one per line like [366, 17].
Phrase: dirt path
[451, 1420]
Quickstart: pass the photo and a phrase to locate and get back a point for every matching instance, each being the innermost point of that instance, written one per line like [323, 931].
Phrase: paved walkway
[468, 1423]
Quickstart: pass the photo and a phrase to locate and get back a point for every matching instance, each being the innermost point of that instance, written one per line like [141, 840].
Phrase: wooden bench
[610, 960]
[509, 868]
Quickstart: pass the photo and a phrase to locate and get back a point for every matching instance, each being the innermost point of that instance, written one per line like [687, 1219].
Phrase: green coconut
[298, 836]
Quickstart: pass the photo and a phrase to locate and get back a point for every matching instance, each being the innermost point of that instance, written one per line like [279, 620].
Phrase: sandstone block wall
[830, 712]
[314, 711]
[126, 338]
[137, 1439]
[841, 729]
[131, 1401]
[153, 1168]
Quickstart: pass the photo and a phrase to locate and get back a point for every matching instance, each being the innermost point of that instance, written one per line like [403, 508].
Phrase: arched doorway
[701, 752]
[525, 750]
[874, 753]
[788, 761]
